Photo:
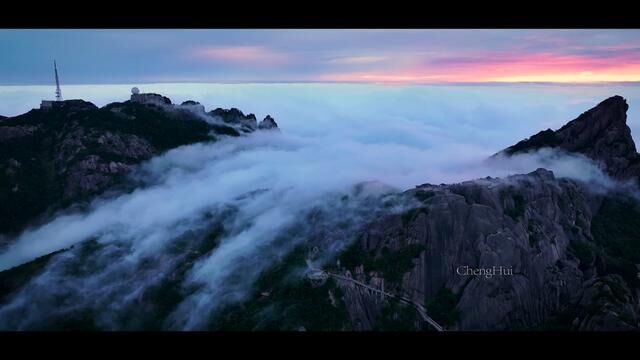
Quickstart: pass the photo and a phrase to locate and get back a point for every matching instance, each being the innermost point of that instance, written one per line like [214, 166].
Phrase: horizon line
[387, 83]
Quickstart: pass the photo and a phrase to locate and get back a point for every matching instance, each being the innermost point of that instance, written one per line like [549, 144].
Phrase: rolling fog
[333, 137]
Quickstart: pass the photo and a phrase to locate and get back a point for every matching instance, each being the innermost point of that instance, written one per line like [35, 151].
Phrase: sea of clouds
[332, 138]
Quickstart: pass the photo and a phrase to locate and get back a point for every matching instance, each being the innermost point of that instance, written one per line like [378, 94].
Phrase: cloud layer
[260, 189]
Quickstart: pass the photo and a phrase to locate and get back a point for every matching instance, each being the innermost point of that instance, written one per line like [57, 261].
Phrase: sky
[112, 56]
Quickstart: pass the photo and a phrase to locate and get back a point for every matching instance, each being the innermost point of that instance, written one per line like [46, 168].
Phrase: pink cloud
[381, 77]
[506, 67]
[241, 54]
[357, 60]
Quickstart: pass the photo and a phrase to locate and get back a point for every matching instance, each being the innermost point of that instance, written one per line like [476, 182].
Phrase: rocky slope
[568, 257]
[52, 158]
[547, 231]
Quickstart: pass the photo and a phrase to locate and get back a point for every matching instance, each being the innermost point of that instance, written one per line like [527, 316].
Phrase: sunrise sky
[368, 56]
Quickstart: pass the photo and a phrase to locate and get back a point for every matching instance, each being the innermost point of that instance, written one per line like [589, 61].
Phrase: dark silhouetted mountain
[600, 133]
[268, 123]
[52, 158]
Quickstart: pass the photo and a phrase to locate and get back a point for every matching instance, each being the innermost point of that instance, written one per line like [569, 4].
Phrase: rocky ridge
[67, 154]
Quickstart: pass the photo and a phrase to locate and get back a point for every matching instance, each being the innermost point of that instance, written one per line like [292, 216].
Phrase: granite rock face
[468, 225]
[530, 226]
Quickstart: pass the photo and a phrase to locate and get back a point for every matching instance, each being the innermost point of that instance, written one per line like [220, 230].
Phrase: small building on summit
[149, 98]
[47, 104]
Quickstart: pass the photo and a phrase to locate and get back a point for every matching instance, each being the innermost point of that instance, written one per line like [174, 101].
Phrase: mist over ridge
[503, 113]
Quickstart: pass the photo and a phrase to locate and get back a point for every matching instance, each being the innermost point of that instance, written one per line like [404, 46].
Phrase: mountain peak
[601, 133]
[268, 123]
[610, 112]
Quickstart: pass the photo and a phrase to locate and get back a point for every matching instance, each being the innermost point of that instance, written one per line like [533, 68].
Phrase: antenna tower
[58, 91]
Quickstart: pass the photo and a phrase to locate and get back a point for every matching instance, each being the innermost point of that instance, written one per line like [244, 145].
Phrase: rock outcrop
[235, 117]
[192, 106]
[151, 99]
[268, 123]
[600, 133]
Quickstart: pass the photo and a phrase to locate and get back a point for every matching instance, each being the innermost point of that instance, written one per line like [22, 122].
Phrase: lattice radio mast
[58, 91]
